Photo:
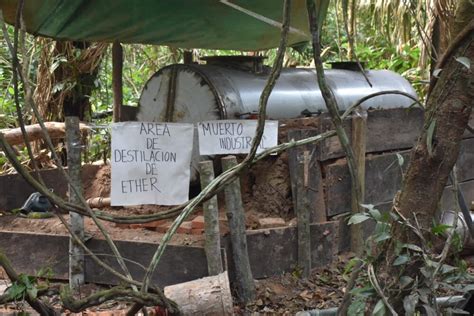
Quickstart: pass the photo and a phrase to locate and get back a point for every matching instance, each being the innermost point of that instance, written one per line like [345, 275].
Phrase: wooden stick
[303, 213]
[359, 141]
[117, 83]
[14, 136]
[238, 238]
[98, 202]
[212, 244]
[76, 253]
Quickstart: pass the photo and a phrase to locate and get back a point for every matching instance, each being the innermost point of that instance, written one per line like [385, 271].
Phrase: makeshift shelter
[212, 24]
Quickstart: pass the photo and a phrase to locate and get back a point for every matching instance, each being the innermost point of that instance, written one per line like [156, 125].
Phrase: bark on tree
[449, 107]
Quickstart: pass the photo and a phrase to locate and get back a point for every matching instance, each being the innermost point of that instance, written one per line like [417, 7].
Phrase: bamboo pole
[212, 244]
[76, 254]
[238, 238]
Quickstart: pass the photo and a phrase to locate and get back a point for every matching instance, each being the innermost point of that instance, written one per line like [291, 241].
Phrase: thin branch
[16, 70]
[117, 294]
[346, 300]
[375, 283]
[331, 105]
[376, 94]
[34, 302]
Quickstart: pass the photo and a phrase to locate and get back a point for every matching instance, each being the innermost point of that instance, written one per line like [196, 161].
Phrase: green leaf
[429, 136]
[400, 260]
[357, 308]
[464, 61]
[446, 268]
[401, 160]
[375, 213]
[456, 311]
[365, 291]
[368, 206]
[379, 309]
[405, 281]
[382, 236]
[412, 247]
[351, 264]
[16, 291]
[440, 229]
[32, 292]
[430, 311]
[409, 303]
[358, 218]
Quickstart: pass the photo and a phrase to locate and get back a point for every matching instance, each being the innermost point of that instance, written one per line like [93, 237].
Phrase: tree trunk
[449, 107]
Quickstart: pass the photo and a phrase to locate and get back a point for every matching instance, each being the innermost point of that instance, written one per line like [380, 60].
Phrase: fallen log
[206, 296]
[55, 129]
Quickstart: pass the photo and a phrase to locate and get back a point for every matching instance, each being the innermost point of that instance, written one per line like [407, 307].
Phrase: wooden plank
[16, 190]
[447, 203]
[271, 251]
[179, 263]
[128, 113]
[387, 130]
[274, 251]
[382, 180]
[383, 177]
[314, 190]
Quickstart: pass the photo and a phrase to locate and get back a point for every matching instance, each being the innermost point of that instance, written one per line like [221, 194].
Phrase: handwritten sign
[151, 163]
[234, 136]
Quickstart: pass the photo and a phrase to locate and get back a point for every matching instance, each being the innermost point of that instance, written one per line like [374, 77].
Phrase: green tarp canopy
[213, 24]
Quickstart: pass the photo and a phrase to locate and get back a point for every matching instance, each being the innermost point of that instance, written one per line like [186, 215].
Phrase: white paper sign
[151, 163]
[234, 136]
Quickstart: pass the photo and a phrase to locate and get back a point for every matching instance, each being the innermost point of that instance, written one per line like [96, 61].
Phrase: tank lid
[347, 65]
[248, 63]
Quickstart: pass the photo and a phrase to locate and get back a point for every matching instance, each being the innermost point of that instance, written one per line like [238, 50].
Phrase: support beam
[212, 244]
[236, 218]
[76, 254]
[359, 141]
[117, 83]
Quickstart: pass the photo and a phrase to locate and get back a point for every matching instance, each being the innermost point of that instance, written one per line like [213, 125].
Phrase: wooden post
[188, 56]
[313, 179]
[238, 238]
[117, 69]
[76, 254]
[303, 213]
[212, 244]
[359, 140]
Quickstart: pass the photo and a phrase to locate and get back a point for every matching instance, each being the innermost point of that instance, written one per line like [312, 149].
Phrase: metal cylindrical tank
[230, 87]
[193, 93]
